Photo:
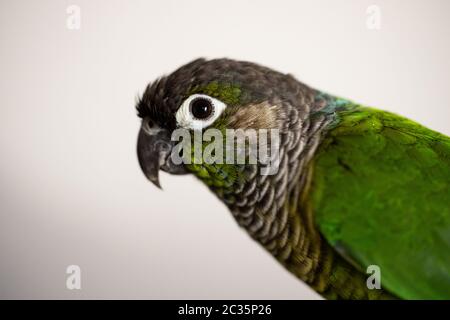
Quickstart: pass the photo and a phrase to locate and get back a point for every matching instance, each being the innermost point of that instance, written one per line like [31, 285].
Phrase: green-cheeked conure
[355, 186]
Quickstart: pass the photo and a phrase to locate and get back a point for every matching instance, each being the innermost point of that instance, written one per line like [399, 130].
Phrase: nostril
[150, 127]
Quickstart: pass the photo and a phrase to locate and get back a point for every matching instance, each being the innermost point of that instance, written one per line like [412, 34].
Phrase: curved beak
[154, 149]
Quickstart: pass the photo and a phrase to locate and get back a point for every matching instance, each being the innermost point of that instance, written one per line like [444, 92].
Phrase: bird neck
[274, 210]
[268, 206]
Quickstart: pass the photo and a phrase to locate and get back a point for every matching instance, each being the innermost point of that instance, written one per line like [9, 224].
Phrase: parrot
[358, 190]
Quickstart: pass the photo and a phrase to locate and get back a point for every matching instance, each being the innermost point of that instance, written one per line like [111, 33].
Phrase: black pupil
[201, 108]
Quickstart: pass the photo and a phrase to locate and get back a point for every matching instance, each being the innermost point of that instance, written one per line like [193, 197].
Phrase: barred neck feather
[273, 209]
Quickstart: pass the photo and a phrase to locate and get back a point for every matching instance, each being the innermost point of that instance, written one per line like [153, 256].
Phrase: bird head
[226, 96]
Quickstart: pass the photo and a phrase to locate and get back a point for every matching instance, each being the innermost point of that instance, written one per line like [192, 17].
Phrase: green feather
[229, 93]
[381, 196]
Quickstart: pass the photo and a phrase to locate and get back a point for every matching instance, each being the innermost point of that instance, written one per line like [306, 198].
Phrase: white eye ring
[186, 119]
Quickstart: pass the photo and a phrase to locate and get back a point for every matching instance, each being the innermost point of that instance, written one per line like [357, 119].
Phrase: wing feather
[381, 194]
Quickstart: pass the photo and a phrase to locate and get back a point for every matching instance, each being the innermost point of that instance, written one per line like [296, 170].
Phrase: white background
[71, 190]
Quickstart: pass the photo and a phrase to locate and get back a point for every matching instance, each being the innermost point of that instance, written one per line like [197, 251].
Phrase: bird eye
[201, 108]
[199, 111]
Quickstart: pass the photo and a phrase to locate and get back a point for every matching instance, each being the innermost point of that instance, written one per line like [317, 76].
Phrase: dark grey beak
[154, 149]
